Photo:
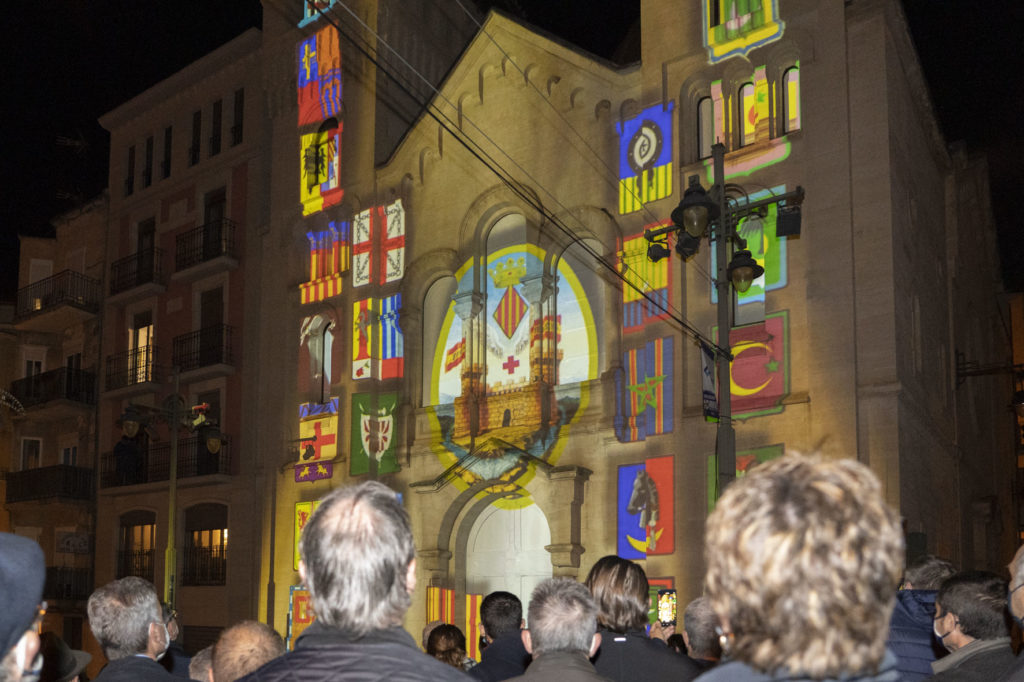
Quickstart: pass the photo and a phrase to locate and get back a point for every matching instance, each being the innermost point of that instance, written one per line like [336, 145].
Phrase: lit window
[747, 114]
[136, 544]
[791, 99]
[206, 544]
[705, 126]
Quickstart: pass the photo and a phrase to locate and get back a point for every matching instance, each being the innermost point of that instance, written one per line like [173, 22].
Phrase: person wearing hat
[22, 573]
[61, 663]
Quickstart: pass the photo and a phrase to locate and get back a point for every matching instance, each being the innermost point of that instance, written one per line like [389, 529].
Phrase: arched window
[136, 544]
[791, 99]
[747, 124]
[705, 127]
[206, 544]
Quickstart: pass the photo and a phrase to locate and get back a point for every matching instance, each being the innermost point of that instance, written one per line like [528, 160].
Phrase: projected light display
[330, 252]
[760, 367]
[373, 433]
[319, 76]
[644, 391]
[746, 460]
[320, 156]
[378, 346]
[441, 605]
[765, 247]
[645, 158]
[762, 150]
[300, 613]
[318, 431]
[378, 245]
[735, 27]
[523, 353]
[646, 495]
[303, 510]
[643, 276]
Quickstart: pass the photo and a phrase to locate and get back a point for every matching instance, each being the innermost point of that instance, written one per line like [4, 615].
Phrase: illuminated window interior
[791, 99]
[136, 544]
[705, 127]
[206, 544]
[747, 115]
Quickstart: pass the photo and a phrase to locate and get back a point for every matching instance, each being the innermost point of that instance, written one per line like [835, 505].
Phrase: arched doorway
[506, 551]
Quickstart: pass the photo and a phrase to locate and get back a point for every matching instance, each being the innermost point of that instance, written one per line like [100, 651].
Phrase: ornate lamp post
[716, 214]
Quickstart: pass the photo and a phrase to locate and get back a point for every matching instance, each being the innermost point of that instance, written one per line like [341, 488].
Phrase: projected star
[646, 392]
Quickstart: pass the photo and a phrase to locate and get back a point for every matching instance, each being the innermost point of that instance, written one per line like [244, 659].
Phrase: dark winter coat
[561, 666]
[503, 658]
[176, 661]
[134, 669]
[635, 656]
[740, 672]
[325, 653]
[910, 634]
[982, 659]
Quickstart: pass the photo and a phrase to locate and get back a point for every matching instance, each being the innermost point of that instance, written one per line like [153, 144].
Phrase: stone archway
[506, 550]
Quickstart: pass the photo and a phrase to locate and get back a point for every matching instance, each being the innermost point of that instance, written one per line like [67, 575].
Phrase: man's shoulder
[356, 660]
[134, 668]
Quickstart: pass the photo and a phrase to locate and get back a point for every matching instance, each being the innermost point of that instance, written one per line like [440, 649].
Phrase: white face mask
[29, 673]
[939, 636]
[167, 642]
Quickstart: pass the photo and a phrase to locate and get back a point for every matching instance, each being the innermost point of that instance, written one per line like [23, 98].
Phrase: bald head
[243, 648]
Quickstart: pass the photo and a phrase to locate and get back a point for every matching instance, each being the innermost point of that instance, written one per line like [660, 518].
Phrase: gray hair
[928, 572]
[700, 622]
[563, 617]
[120, 613]
[357, 548]
[201, 664]
[244, 648]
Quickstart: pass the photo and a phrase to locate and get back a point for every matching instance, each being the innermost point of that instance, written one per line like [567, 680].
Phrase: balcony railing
[202, 348]
[131, 367]
[61, 481]
[206, 242]
[142, 267]
[205, 566]
[137, 562]
[65, 383]
[133, 466]
[64, 582]
[65, 288]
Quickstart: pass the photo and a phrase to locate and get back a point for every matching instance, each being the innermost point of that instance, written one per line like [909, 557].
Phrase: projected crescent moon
[641, 545]
[742, 348]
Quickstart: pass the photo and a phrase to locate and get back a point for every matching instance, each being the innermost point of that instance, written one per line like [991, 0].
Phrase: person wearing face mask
[970, 621]
[1015, 604]
[910, 626]
[126, 619]
[22, 572]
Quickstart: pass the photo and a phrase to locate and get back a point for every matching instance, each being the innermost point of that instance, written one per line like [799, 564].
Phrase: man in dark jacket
[175, 661]
[126, 620]
[562, 634]
[699, 623]
[501, 621]
[910, 627]
[359, 564]
[969, 620]
[1015, 603]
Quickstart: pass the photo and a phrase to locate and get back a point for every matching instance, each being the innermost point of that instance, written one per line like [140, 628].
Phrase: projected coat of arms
[508, 366]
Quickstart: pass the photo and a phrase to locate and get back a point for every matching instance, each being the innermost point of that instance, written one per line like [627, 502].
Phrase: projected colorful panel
[303, 510]
[472, 625]
[645, 293]
[760, 366]
[645, 509]
[441, 605]
[746, 461]
[373, 433]
[523, 345]
[758, 149]
[645, 158]
[766, 248]
[320, 158]
[319, 76]
[329, 256]
[318, 434]
[735, 27]
[644, 391]
[300, 613]
[378, 345]
[378, 245]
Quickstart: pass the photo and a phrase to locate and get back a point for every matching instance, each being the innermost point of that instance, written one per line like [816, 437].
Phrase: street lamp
[716, 214]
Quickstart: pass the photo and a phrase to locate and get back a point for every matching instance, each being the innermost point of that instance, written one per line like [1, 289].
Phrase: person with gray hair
[358, 562]
[199, 668]
[243, 648]
[699, 623]
[125, 618]
[562, 633]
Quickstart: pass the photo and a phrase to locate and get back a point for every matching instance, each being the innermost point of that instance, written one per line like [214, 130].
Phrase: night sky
[77, 60]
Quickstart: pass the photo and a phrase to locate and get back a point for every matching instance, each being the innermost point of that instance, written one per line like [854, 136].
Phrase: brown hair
[621, 591]
[447, 644]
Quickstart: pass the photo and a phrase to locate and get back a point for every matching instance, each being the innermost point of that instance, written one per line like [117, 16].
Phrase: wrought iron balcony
[65, 582]
[130, 464]
[142, 267]
[131, 367]
[203, 348]
[77, 385]
[138, 562]
[61, 481]
[65, 289]
[205, 243]
[205, 566]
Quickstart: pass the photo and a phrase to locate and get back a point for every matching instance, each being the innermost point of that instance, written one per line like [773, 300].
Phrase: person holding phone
[621, 591]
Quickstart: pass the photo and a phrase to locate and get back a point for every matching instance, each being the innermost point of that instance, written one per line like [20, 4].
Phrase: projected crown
[509, 273]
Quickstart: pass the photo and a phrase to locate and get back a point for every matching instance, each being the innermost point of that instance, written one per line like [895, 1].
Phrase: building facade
[440, 280]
